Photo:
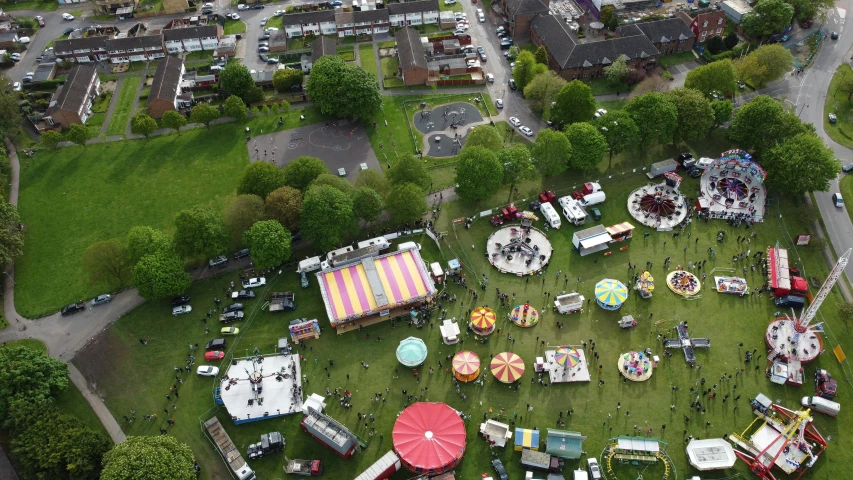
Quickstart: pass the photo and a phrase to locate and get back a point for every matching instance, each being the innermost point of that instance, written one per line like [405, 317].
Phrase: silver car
[181, 310]
[102, 299]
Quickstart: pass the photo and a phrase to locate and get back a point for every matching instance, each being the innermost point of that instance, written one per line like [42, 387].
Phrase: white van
[572, 211]
[309, 265]
[593, 199]
[380, 242]
[822, 405]
[580, 475]
[409, 246]
[550, 215]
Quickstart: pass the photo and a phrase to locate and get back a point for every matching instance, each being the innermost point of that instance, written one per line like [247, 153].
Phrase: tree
[731, 40]
[575, 103]
[261, 178]
[800, 164]
[478, 173]
[406, 202]
[149, 458]
[619, 130]
[237, 80]
[517, 165]
[78, 134]
[485, 136]
[765, 64]
[719, 76]
[59, 446]
[543, 90]
[763, 122]
[513, 51]
[284, 80]
[618, 70]
[551, 152]
[269, 243]
[541, 55]
[243, 212]
[716, 45]
[160, 274]
[142, 124]
[285, 206]
[11, 237]
[723, 110]
[334, 181]
[588, 145]
[654, 83]
[235, 108]
[29, 376]
[695, 115]
[367, 204]
[808, 9]
[845, 310]
[51, 139]
[343, 90]
[108, 262]
[608, 17]
[10, 109]
[373, 179]
[173, 120]
[767, 18]
[526, 68]
[655, 116]
[204, 113]
[327, 216]
[409, 169]
[200, 231]
[145, 240]
[302, 171]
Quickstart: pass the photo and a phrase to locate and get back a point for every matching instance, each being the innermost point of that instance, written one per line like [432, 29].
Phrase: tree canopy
[149, 458]
[763, 122]
[695, 115]
[285, 206]
[144, 240]
[302, 171]
[374, 179]
[588, 145]
[485, 136]
[284, 80]
[808, 9]
[204, 113]
[343, 90]
[723, 110]
[142, 124]
[327, 216]
[11, 237]
[29, 376]
[716, 45]
[261, 178]
[408, 169]
[200, 231]
[235, 108]
[541, 55]
[236, 79]
[618, 70]
[719, 76]
[160, 274]
[619, 130]
[269, 243]
[517, 164]
[575, 103]
[78, 134]
[243, 212]
[367, 204]
[406, 202]
[765, 64]
[526, 67]
[478, 173]
[50, 139]
[551, 152]
[768, 17]
[108, 263]
[173, 120]
[655, 116]
[334, 181]
[800, 164]
[543, 90]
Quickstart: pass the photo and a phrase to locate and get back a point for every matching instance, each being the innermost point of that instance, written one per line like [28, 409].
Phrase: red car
[213, 356]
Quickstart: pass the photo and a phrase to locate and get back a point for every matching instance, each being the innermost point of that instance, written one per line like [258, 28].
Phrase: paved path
[113, 101]
[116, 433]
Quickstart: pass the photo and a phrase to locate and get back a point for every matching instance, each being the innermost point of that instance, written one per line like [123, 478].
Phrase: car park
[73, 308]
[600, 112]
[242, 254]
[214, 356]
[526, 130]
[500, 470]
[254, 282]
[182, 300]
[832, 118]
[102, 299]
[207, 371]
[242, 294]
[847, 168]
[218, 261]
[515, 122]
[229, 331]
[180, 310]
[218, 344]
[67, 16]
[499, 103]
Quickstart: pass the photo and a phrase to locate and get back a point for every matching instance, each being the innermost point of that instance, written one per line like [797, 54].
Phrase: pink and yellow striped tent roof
[348, 294]
[619, 228]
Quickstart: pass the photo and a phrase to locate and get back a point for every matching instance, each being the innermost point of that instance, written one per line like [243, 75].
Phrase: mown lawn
[122, 111]
[234, 26]
[846, 187]
[43, 5]
[367, 59]
[675, 58]
[836, 102]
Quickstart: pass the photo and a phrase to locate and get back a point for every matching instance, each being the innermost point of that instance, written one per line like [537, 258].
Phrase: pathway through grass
[122, 111]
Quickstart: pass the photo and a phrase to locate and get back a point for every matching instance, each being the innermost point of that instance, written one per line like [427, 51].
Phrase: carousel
[483, 321]
[507, 367]
[429, 438]
[645, 284]
[733, 285]
[683, 282]
[412, 352]
[466, 366]
[659, 205]
[635, 366]
[610, 294]
[732, 187]
[519, 249]
[524, 315]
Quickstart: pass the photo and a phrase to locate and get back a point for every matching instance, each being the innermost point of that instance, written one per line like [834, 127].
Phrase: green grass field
[367, 60]
[122, 111]
[675, 58]
[234, 26]
[846, 187]
[836, 102]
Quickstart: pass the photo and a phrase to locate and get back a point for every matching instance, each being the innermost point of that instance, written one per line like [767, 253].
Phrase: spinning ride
[412, 352]
[466, 366]
[567, 356]
[524, 315]
[683, 282]
[635, 366]
[507, 367]
[429, 438]
[519, 249]
[483, 320]
[732, 187]
[610, 294]
[657, 206]
[645, 284]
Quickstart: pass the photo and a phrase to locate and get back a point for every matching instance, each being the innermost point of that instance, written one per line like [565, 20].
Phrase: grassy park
[837, 102]
[124, 105]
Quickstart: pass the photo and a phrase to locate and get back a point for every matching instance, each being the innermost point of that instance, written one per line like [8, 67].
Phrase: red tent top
[799, 284]
[429, 437]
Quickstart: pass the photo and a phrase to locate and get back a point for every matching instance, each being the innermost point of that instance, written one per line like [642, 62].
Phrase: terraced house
[72, 102]
[365, 19]
[192, 38]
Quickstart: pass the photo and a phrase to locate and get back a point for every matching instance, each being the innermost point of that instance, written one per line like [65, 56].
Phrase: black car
[263, 37]
[512, 84]
[263, 57]
[232, 308]
[241, 254]
[73, 308]
[258, 6]
[243, 294]
[296, 236]
[694, 172]
[68, 31]
[238, 36]
[182, 300]
[834, 36]
[500, 470]
[683, 156]
[216, 345]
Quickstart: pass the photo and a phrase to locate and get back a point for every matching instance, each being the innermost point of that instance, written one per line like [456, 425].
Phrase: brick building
[72, 102]
[706, 25]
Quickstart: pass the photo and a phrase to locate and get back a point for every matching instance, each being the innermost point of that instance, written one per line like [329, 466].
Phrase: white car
[342, 172]
[481, 17]
[449, 2]
[254, 282]
[594, 469]
[24, 40]
[16, 86]
[264, 22]
[278, 13]
[600, 112]
[182, 309]
[207, 371]
[514, 122]
[490, 78]
[270, 30]
[527, 131]
[499, 103]
[67, 16]
[233, 16]
[242, 6]
[460, 31]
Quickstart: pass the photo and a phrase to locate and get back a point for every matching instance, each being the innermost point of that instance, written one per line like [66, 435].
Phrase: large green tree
[762, 123]
[406, 203]
[768, 17]
[695, 115]
[269, 243]
[78, 134]
[200, 231]
[327, 216]
[285, 206]
[723, 110]
[655, 116]
[517, 164]
[235, 108]
[142, 124]
[237, 80]
[800, 164]
[619, 130]
[108, 263]
[543, 90]
[284, 80]
[173, 120]
[334, 181]
[302, 171]
[144, 240]
[618, 70]
[149, 458]
[29, 376]
[261, 178]
[160, 274]
[588, 145]
[204, 113]
[765, 64]
[243, 212]
[526, 67]
[541, 55]
[408, 169]
[374, 179]
[50, 139]
[485, 136]
[808, 9]
[574, 103]
[343, 90]
[478, 173]
[551, 152]
[719, 76]
[367, 204]
[11, 237]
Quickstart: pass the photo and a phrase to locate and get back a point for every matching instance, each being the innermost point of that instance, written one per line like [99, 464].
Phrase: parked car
[449, 2]
[272, 61]
[526, 130]
[73, 308]
[512, 84]
[218, 261]
[218, 344]
[16, 86]
[242, 254]
[242, 294]
[459, 31]
[214, 356]
[505, 44]
[233, 308]
[182, 300]
[837, 200]
[600, 112]
[847, 168]
[490, 78]
[594, 469]
[499, 469]
[263, 57]
[279, 13]
[263, 48]
[181, 310]
[254, 282]
[483, 57]
[67, 16]
[229, 331]
[40, 19]
[834, 36]
[207, 371]
[264, 37]
[342, 172]
[499, 103]
[242, 6]
[231, 316]
[16, 57]
[515, 122]
[102, 299]
[68, 31]
[24, 40]
[258, 6]
[336, 3]
[264, 22]
[233, 16]
[832, 118]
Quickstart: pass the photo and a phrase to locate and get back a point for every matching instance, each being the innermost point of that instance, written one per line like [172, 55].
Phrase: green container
[704, 3]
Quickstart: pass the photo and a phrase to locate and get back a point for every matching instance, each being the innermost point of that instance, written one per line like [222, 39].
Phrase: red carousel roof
[429, 437]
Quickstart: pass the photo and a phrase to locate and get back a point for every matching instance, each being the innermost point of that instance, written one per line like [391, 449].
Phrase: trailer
[541, 461]
[330, 433]
[659, 168]
[588, 187]
[572, 210]
[308, 468]
[228, 451]
[568, 303]
[283, 302]
[353, 256]
[387, 465]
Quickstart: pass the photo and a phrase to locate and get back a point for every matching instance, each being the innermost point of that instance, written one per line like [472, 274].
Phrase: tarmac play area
[445, 127]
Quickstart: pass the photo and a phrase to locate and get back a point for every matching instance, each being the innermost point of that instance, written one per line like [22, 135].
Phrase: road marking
[841, 12]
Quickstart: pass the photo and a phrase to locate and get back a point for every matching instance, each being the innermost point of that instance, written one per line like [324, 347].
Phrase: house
[301, 24]
[521, 13]
[418, 12]
[368, 21]
[8, 39]
[192, 38]
[706, 25]
[166, 93]
[125, 49]
[278, 42]
[670, 35]
[263, 78]
[227, 47]
[112, 6]
[410, 50]
[72, 102]
[44, 72]
[82, 50]
[320, 47]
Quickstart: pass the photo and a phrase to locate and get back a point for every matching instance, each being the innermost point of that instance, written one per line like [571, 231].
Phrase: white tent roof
[638, 444]
[711, 454]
